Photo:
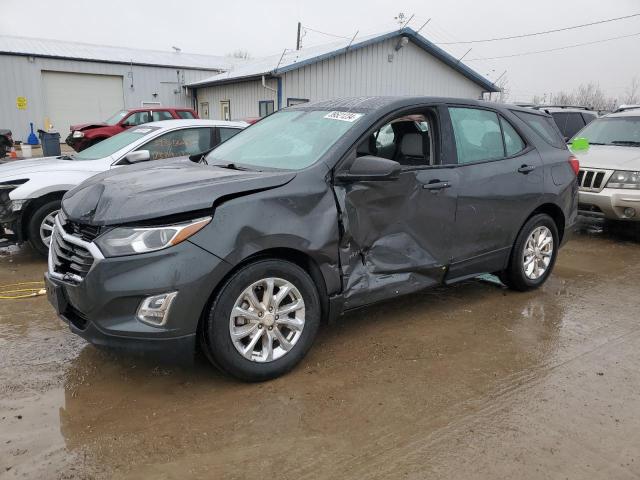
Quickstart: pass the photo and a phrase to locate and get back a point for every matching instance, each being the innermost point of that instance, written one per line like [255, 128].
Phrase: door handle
[526, 169]
[436, 185]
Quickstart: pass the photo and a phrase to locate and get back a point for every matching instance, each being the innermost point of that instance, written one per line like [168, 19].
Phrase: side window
[138, 118]
[513, 142]
[265, 107]
[187, 115]
[544, 126]
[405, 139]
[162, 115]
[477, 133]
[227, 133]
[179, 143]
[588, 117]
[569, 123]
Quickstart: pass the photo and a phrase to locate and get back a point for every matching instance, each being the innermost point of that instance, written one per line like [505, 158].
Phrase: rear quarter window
[544, 126]
[185, 114]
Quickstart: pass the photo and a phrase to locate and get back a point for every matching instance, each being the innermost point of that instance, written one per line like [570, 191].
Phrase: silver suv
[609, 176]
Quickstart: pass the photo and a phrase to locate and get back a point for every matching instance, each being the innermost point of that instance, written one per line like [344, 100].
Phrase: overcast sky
[266, 27]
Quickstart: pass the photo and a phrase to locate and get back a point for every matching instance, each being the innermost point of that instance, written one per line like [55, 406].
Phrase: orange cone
[13, 153]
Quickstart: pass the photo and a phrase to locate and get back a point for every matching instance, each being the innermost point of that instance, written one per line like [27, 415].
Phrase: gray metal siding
[367, 71]
[243, 97]
[22, 77]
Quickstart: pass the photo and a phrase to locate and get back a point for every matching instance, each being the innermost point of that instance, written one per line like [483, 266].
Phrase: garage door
[72, 98]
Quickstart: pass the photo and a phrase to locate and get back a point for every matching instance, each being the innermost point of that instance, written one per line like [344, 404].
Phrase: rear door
[500, 184]
[397, 234]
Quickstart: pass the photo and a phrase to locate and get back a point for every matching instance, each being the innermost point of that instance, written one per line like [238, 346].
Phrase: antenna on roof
[177, 49]
[407, 22]
[460, 59]
[423, 25]
[279, 61]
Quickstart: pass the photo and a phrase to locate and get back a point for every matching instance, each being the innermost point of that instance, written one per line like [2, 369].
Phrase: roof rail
[624, 108]
[581, 107]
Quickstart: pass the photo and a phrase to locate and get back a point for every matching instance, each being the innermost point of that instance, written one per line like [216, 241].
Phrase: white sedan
[31, 190]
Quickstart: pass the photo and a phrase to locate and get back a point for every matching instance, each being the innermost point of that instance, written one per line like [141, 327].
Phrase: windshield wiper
[65, 157]
[631, 143]
[231, 166]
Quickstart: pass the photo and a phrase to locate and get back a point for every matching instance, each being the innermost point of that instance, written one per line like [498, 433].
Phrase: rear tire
[533, 254]
[39, 223]
[278, 329]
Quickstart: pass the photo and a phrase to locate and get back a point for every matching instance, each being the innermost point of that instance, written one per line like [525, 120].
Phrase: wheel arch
[33, 205]
[555, 212]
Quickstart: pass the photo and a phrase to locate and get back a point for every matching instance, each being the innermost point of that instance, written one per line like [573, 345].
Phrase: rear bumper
[610, 203]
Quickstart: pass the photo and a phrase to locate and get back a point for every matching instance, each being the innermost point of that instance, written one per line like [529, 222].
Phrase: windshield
[116, 117]
[613, 131]
[289, 140]
[111, 145]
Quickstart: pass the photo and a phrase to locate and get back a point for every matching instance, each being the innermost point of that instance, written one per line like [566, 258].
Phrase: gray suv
[570, 120]
[318, 209]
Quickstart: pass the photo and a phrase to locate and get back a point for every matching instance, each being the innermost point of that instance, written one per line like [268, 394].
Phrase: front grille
[68, 259]
[88, 233]
[591, 180]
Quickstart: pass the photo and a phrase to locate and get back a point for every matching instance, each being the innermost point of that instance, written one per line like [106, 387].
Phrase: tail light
[575, 164]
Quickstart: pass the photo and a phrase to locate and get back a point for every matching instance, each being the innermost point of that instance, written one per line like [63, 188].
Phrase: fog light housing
[154, 310]
[629, 212]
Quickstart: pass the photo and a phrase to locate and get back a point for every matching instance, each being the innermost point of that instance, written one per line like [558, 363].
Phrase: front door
[501, 180]
[225, 110]
[204, 110]
[396, 235]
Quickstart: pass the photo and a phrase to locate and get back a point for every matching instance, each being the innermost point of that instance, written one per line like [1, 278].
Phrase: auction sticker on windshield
[344, 116]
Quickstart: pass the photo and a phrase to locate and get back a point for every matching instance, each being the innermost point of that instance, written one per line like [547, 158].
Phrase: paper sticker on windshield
[344, 116]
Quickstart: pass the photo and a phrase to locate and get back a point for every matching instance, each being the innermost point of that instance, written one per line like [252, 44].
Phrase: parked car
[31, 190]
[87, 134]
[570, 120]
[6, 142]
[609, 176]
[315, 210]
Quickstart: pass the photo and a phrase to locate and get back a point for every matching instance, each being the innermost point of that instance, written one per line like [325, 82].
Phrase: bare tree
[632, 95]
[586, 95]
[241, 54]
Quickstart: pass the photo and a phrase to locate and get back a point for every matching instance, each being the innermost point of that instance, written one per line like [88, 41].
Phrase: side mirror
[370, 169]
[137, 156]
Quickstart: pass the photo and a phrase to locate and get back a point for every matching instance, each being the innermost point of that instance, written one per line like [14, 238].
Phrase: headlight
[11, 184]
[78, 134]
[131, 240]
[624, 179]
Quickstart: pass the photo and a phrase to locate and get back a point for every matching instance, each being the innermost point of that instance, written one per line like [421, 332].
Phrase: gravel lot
[472, 381]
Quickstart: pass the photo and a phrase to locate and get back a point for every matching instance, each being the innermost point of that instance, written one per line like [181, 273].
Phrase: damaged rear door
[396, 235]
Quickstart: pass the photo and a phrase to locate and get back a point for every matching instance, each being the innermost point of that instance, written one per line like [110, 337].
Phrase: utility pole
[298, 39]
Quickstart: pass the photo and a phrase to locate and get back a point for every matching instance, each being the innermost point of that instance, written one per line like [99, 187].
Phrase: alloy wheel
[267, 320]
[538, 252]
[46, 227]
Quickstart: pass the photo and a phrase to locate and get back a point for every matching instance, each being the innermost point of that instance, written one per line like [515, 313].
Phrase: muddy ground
[472, 381]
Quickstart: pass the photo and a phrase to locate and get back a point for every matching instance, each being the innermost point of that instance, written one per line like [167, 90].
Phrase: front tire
[263, 320]
[533, 255]
[40, 226]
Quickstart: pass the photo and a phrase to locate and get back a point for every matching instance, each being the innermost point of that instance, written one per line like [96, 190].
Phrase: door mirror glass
[137, 156]
[369, 168]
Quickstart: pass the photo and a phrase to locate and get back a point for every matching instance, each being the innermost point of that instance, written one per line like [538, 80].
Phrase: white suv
[609, 177]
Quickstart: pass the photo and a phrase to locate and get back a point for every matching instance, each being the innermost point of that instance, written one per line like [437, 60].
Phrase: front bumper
[78, 144]
[610, 203]
[102, 307]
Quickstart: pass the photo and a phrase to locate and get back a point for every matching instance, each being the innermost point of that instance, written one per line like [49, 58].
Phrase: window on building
[265, 107]
[296, 101]
[186, 114]
[162, 115]
[179, 143]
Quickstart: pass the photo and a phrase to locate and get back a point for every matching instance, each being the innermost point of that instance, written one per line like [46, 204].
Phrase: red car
[85, 135]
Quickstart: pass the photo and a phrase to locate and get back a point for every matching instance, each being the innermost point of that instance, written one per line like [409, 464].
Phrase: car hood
[610, 157]
[23, 168]
[87, 126]
[139, 192]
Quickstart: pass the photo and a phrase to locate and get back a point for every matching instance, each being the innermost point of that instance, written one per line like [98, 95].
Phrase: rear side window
[185, 114]
[544, 126]
[478, 135]
[157, 116]
[227, 133]
[513, 142]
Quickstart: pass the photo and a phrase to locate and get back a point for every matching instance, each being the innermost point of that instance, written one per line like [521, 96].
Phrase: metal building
[399, 62]
[67, 83]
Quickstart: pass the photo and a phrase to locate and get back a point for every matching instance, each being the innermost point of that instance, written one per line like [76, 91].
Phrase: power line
[325, 33]
[554, 49]
[544, 32]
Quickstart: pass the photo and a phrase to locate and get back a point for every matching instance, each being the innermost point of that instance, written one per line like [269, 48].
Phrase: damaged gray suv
[313, 211]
